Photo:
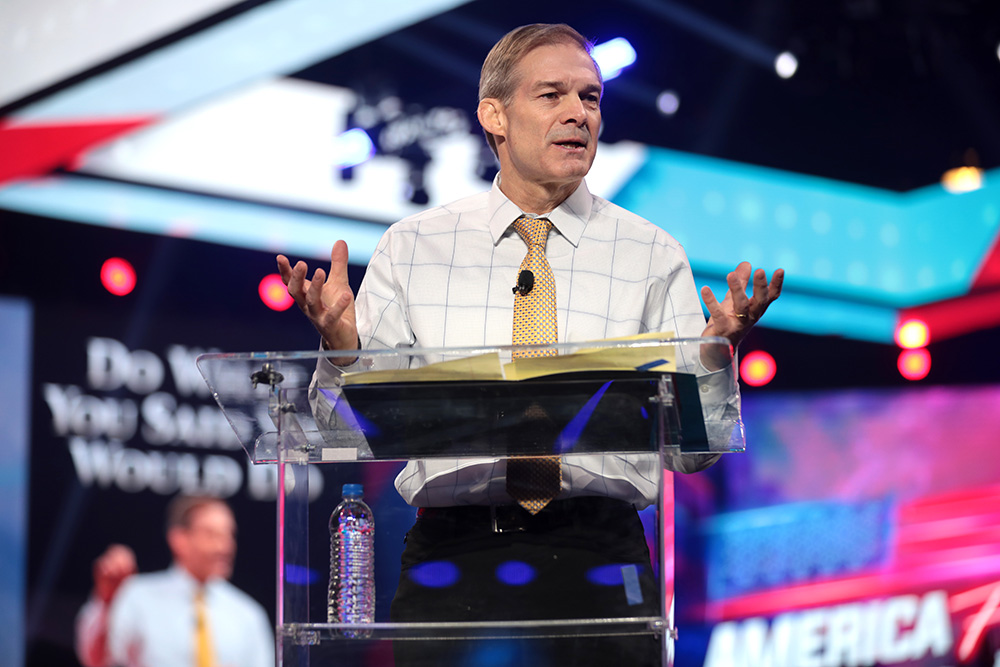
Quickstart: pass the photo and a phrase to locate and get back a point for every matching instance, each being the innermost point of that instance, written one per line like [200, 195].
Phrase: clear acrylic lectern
[649, 397]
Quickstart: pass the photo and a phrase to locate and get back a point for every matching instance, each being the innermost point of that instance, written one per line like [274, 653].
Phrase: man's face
[551, 124]
[206, 548]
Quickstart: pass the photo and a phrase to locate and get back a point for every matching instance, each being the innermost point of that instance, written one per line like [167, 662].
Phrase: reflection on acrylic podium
[649, 398]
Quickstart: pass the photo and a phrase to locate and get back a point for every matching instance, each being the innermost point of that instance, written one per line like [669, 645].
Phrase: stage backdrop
[860, 528]
[120, 419]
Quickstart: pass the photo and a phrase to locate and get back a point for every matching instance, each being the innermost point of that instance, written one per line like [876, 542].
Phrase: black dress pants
[578, 558]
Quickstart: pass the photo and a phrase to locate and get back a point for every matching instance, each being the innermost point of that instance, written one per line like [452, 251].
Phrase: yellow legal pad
[642, 352]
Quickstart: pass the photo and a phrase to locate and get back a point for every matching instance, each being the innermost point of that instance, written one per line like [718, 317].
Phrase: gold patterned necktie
[534, 481]
[202, 636]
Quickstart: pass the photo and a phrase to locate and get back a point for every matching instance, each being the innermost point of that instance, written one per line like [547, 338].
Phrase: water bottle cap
[353, 490]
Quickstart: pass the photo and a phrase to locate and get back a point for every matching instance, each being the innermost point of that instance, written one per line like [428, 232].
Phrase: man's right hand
[327, 302]
[111, 569]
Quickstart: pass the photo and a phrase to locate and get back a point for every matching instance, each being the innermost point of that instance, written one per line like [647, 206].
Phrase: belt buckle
[507, 519]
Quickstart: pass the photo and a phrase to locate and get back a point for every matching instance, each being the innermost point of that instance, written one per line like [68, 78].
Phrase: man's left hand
[737, 313]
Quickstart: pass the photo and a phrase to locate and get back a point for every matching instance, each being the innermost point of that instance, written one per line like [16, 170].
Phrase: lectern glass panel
[654, 404]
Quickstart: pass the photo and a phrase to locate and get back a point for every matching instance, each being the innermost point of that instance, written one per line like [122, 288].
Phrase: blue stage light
[668, 102]
[613, 56]
[786, 64]
[352, 147]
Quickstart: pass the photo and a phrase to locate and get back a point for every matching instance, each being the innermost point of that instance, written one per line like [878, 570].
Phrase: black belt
[516, 519]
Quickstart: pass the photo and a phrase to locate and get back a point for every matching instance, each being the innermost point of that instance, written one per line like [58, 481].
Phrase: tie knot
[533, 231]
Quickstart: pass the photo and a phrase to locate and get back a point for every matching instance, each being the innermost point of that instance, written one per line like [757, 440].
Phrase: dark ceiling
[889, 93]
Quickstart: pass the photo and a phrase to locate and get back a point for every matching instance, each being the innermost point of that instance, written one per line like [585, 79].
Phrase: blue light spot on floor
[435, 574]
[607, 575]
[299, 575]
[494, 654]
[515, 573]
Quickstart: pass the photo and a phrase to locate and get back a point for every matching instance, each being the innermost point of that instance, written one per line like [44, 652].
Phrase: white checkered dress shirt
[443, 278]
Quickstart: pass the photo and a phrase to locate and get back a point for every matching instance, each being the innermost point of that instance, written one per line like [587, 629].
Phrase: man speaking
[458, 275]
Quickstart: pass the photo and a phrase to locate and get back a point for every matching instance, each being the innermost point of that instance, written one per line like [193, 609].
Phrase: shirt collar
[569, 218]
[188, 582]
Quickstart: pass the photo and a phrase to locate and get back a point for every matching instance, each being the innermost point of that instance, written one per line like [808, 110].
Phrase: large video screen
[106, 415]
[859, 528]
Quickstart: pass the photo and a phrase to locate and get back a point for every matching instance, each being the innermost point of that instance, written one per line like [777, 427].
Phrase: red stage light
[117, 276]
[914, 364]
[274, 294]
[758, 368]
[912, 334]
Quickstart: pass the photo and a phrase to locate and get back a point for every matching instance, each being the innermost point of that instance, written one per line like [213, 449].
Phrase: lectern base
[579, 558]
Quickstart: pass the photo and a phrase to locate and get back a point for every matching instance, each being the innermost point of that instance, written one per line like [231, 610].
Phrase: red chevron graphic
[35, 149]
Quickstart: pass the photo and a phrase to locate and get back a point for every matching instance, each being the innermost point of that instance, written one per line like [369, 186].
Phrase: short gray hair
[182, 508]
[498, 78]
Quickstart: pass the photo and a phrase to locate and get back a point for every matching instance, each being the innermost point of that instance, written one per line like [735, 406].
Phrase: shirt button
[705, 389]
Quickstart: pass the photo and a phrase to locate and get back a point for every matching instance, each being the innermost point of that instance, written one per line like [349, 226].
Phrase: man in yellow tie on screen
[443, 278]
[186, 616]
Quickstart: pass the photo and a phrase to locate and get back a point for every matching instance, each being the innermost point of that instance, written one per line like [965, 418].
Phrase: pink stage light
[914, 364]
[758, 368]
[274, 294]
[117, 276]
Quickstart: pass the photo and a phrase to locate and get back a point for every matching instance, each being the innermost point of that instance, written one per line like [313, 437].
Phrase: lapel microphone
[525, 281]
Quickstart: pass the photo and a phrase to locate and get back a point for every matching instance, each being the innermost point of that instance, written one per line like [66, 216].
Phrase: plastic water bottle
[351, 596]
